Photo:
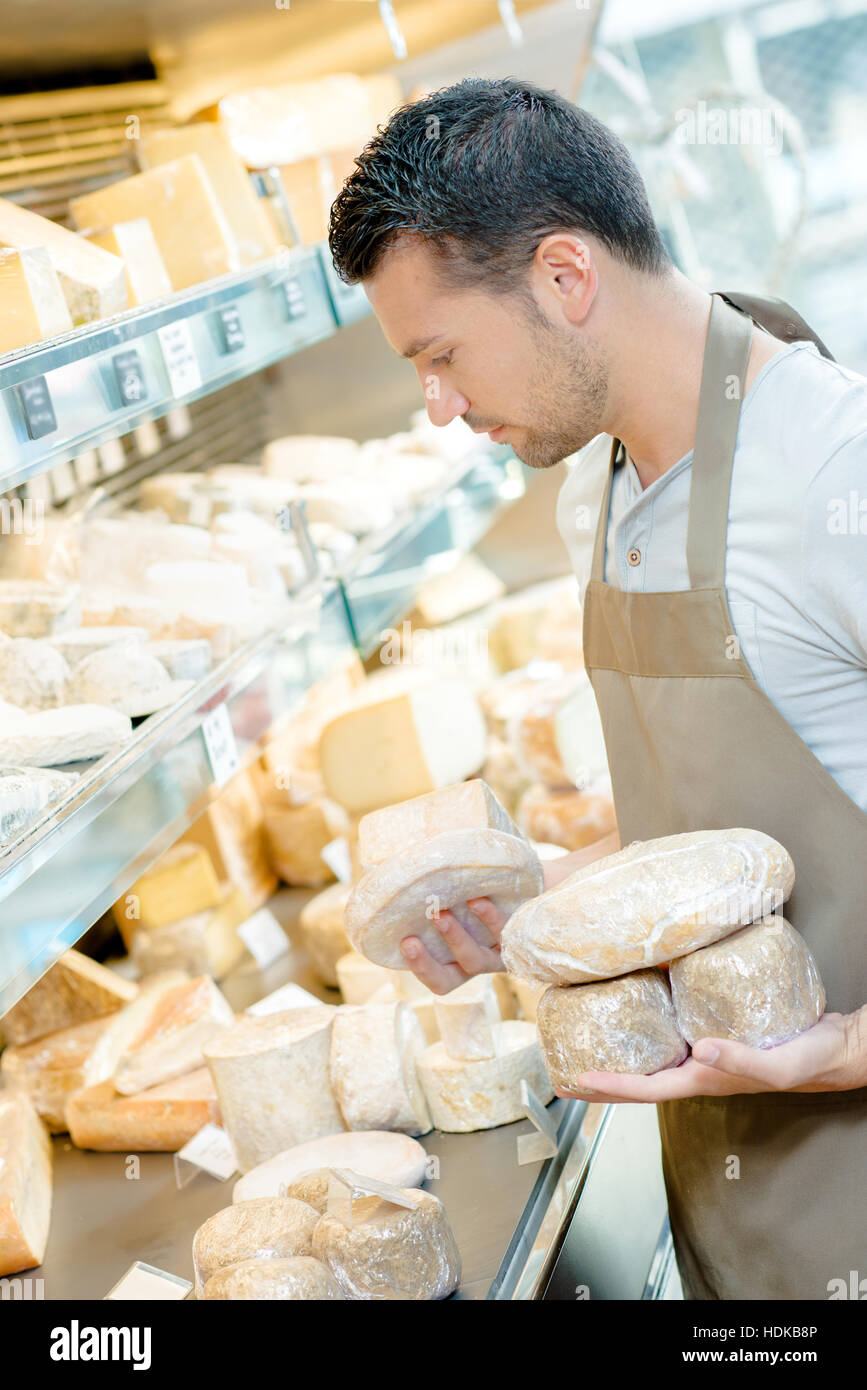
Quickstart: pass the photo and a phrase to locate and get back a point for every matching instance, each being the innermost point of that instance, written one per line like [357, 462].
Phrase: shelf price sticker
[264, 938]
[220, 742]
[338, 858]
[37, 407]
[146, 1282]
[179, 355]
[210, 1151]
[293, 294]
[286, 997]
[129, 374]
[231, 328]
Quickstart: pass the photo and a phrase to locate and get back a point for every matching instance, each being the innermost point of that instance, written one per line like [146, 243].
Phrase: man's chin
[538, 454]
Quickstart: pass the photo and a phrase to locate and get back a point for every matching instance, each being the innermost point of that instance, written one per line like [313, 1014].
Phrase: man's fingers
[438, 977]
[470, 956]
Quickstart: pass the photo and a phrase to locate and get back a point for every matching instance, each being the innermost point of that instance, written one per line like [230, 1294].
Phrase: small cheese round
[300, 1277]
[323, 932]
[465, 1096]
[622, 1025]
[391, 1158]
[391, 1252]
[311, 1188]
[374, 1053]
[760, 986]
[265, 1228]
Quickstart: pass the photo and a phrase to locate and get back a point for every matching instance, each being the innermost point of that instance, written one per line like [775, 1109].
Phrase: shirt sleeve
[834, 558]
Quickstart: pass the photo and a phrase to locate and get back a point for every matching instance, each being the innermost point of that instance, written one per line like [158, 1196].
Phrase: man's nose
[444, 406]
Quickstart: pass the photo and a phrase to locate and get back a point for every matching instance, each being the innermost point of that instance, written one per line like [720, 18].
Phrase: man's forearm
[556, 870]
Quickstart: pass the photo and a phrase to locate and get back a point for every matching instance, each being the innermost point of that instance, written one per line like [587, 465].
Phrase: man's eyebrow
[420, 345]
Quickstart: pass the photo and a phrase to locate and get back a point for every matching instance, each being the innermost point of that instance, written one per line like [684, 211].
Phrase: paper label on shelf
[146, 1282]
[264, 938]
[337, 857]
[211, 1149]
[287, 997]
[179, 354]
[220, 742]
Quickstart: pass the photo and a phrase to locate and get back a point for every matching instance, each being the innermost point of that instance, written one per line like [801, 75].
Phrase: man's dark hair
[484, 171]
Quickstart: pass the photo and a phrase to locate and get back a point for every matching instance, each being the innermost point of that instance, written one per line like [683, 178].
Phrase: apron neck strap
[597, 569]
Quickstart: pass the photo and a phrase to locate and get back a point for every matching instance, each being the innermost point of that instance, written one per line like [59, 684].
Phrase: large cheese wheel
[647, 904]
[466, 1096]
[622, 1025]
[402, 896]
[266, 1228]
[374, 1053]
[760, 986]
[25, 1184]
[298, 1278]
[391, 1252]
[391, 1158]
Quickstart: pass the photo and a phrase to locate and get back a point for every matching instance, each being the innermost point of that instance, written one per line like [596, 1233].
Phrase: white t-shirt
[796, 558]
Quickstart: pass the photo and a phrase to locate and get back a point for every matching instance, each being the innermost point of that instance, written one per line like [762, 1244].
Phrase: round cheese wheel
[391, 1252]
[298, 1278]
[374, 1052]
[464, 1095]
[268, 1227]
[391, 1158]
[622, 1025]
[323, 932]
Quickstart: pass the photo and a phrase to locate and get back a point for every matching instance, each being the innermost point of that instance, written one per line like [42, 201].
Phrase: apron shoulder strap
[776, 317]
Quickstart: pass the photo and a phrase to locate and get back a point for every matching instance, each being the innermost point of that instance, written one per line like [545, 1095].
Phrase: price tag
[179, 354]
[337, 857]
[220, 742]
[146, 1282]
[287, 997]
[344, 1185]
[35, 399]
[211, 1151]
[293, 294]
[231, 328]
[129, 373]
[264, 938]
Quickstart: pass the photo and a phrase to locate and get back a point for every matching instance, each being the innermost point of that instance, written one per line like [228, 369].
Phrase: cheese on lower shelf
[161, 1119]
[126, 1025]
[272, 1077]
[465, 1096]
[91, 279]
[183, 1022]
[379, 1154]
[468, 1017]
[181, 883]
[295, 837]
[470, 585]
[297, 1278]
[390, 1252]
[25, 1184]
[36, 608]
[52, 1067]
[232, 831]
[33, 304]
[81, 642]
[465, 806]
[374, 1054]
[324, 934]
[206, 943]
[135, 244]
[358, 978]
[75, 990]
[264, 1228]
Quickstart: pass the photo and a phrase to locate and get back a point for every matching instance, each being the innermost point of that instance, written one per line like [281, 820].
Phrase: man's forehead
[409, 298]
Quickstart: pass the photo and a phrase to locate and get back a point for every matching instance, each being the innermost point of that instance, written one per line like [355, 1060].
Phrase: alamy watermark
[23, 516]
[759, 126]
[422, 646]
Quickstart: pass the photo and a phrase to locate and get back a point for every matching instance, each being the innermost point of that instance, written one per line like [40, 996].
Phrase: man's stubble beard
[569, 386]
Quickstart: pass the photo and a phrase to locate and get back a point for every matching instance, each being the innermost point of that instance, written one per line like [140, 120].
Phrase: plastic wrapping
[622, 1025]
[374, 1052]
[265, 1228]
[402, 896]
[465, 1096]
[646, 904]
[568, 818]
[391, 1253]
[298, 1278]
[323, 932]
[760, 986]
[394, 1158]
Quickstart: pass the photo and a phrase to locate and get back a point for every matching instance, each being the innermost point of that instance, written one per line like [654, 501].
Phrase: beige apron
[767, 1194]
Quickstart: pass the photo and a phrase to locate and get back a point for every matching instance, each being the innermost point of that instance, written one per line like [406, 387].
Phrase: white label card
[344, 1186]
[337, 857]
[179, 354]
[220, 742]
[264, 938]
[143, 1281]
[211, 1149]
[287, 997]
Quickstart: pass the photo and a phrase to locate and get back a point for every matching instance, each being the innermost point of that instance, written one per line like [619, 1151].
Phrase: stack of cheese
[26, 793]
[706, 901]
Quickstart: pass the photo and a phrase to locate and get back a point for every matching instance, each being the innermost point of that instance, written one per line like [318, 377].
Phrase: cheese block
[36, 608]
[309, 188]
[128, 679]
[374, 1054]
[206, 943]
[33, 304]
[465, 806]
[402, 746]
[252, 230]
[526, 996]
[470, 585]
[264, 1228]
[565, 817]
[272, 1077]
[25, 1184]
[52, 1067]
[25, 793]
[288, 121]
[311, 458]
[295, 1279]
[161, 1119]
[74, 990]
[468, 1019]
[531, 730]
[232, 831]
[379, 1154]
[465, 1096]
[323, 932]
[184, 660]
[389, 1252]
[358, 979]
[80, 642]
[178, 199]
[181, 883]
[71, 734]
[403, 896]
[622, 1025]
[91, 279]
[421, 1000]
[760, 986]
[135, 244]
[646, 904]
[295, 837]
[503, 775]
[171, 1042]
[127, 1024]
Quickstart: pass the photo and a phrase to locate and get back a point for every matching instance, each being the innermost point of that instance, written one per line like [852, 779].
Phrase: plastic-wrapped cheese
[323, 932]
[25, 1184]
[622, 1025]
[272, 1078]
[390, 1252]
[374, 1054]
[161, 1119]
[52, 1068]
[531, 729]
[299, 1277]
[646, 904]
[468, 1018]
[378, 1154]
[183, 1021]
[759, 986]
[464, 806]
[565, 817]
[466, 1096]
[74, 990]
[265, 1228]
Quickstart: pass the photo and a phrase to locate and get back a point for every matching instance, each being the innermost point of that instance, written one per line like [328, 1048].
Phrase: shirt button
[634, 557]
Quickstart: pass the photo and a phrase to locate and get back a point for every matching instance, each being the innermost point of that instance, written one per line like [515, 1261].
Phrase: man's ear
[564, 275]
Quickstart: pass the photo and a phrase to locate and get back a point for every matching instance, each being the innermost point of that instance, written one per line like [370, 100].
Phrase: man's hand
[831, 1056]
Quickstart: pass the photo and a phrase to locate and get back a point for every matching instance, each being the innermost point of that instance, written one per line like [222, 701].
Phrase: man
[506, 245]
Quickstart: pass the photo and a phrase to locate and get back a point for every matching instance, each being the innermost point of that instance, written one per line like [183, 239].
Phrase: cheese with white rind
[183, 1021]
[298, 1278]
[295, 837]
[622, 1025]
[92, 280]
[25, 1184]
[390, 1252]
[647, 904]
[161, 1119]
[402, 897]
[25, 792]
[465, 1096]
[323, 932]
[189, 660]
[80, 642]
[126, 678]
[272, 1077]
[358, 979]
[126, 1025]
[374, 1054]
[379, 1154]
[51, 1068]
[71, 734]
[468, 1018]
[760, 986]
[33, 675]
[33, 608]
[465, 806]
[74, 990]
[265, 1228]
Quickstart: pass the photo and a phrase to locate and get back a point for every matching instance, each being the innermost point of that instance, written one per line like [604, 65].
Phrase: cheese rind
[183, 1020]
[134, 243]
[52, 1068]
[464, 806]
[295, 837]
[359, 978]
[622, 1025]
[207, 943]
[565, 817]
[71, 734]
[465, 1096]
[468, 1018]
[180, 884]
[75, 990]
[374, 1054]
[33, 304]
[25, 1184]
[391, 1252]
[91, 279]
[264, 1228]
[161, 1119]
[379, 1154]
[299, 1277]
[323, 932]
